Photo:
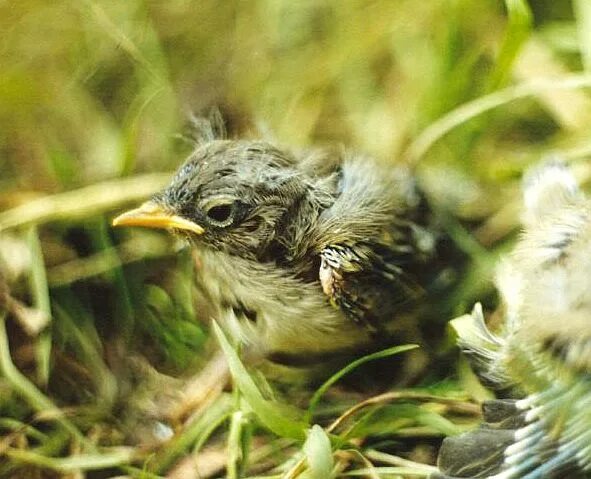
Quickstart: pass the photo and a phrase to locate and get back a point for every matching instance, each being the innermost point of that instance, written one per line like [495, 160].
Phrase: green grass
[100, 330]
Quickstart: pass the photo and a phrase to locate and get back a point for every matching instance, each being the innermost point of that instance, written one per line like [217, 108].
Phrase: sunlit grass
[108, 363]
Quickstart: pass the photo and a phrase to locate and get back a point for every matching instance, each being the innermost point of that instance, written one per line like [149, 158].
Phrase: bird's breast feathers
[272, 309]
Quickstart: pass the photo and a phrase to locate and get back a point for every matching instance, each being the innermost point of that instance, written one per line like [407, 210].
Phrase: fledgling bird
[300, 254]
[544, 351]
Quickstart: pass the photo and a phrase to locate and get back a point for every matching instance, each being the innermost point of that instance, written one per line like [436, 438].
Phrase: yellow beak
[153, 216]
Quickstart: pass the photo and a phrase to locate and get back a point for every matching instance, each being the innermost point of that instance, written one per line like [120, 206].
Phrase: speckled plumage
[303, 253]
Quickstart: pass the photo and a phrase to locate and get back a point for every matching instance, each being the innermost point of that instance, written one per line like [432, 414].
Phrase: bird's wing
[368, 282]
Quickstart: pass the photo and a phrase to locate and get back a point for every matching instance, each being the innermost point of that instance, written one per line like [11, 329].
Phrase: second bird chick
[544, 351]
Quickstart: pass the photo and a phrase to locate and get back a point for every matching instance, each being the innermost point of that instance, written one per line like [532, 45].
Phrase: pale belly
[272, 311]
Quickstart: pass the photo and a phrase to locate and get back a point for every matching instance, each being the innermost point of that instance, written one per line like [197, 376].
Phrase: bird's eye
[220, 213]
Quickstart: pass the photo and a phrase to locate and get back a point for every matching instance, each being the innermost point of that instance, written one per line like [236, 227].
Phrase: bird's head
[235, 196]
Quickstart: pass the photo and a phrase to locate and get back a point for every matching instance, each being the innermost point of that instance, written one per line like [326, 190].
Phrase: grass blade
[518, 30]
[350, 367]
[237, 451]
[104, 459]
[399, 471]
[25, 388]
[318, 453]
[41, 301]
[279, 418]
[83, 202]
[196, 432]
[582, 10]
[464, 113]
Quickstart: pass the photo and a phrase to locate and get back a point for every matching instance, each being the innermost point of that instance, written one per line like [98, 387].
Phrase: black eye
[220, 213]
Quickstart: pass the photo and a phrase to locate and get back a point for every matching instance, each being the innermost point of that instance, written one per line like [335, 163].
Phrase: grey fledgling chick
[544, 351]
[301, 255]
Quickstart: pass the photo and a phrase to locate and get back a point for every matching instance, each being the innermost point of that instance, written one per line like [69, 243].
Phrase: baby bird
[544, 351]
[300, 254]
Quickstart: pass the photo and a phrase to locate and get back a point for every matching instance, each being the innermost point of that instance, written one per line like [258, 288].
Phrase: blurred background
[99, 327]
